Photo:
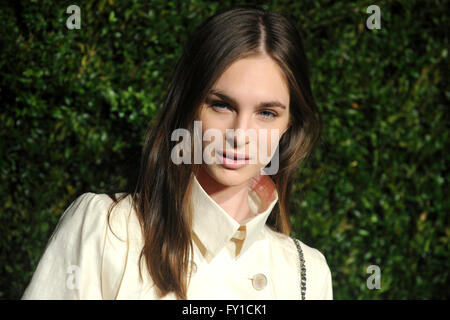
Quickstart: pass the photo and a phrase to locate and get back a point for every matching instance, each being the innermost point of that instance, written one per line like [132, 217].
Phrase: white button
[259, 281]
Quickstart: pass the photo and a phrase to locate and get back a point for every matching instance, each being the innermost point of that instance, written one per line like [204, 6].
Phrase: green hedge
[75, 105]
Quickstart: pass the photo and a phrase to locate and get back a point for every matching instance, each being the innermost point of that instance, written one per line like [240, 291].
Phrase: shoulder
[318, 274]
[87, 216]
[287, 244]
[86, 205]
[81, 244]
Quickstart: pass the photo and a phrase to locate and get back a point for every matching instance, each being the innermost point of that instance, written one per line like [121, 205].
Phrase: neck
[233, 199]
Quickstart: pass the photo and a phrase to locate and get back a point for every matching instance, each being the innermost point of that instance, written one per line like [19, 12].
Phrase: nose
[238, 135]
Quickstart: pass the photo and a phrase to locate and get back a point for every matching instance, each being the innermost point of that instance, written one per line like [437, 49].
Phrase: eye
[267, 114]
[219, 106]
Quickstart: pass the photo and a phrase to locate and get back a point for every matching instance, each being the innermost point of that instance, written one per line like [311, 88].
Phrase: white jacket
[83, 259]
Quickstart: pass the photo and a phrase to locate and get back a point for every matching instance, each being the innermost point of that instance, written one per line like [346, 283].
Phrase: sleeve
[71, 265]
[326, 292]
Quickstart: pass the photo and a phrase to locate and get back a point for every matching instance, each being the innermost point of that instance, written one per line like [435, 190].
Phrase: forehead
[254, 79]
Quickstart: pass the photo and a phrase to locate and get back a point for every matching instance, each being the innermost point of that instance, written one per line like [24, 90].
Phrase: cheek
[211, 121]
[269, 140]
[214, 137]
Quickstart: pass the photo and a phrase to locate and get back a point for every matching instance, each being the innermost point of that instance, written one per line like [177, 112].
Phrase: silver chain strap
[302, 268]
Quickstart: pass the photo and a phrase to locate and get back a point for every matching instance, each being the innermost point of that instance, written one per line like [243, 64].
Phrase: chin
[232, 177]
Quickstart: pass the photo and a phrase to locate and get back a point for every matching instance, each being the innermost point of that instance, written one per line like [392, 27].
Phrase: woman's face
[250, 95]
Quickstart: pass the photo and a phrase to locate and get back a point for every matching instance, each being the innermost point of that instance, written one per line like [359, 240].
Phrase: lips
[232, 160]
[233, 155]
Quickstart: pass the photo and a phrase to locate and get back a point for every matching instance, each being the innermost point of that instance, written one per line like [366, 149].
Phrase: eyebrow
[228, 99]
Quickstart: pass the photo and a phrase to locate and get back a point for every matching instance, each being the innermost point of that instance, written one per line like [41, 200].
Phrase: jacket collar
[214, 228]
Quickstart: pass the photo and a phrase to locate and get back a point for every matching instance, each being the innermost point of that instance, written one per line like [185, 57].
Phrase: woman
[205, 229]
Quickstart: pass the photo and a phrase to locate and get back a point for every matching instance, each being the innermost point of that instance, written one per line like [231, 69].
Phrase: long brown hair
[161, 197]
